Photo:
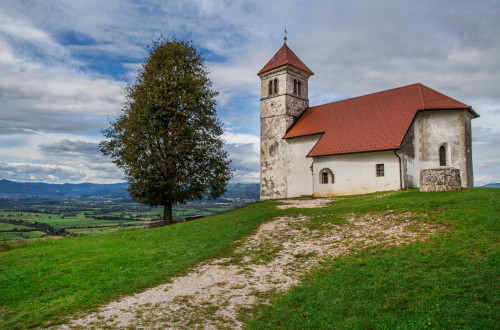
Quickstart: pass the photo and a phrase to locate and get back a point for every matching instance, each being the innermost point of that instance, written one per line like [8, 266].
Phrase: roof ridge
[446, 96]
[419, 85]
[372, 122]
[360, 96]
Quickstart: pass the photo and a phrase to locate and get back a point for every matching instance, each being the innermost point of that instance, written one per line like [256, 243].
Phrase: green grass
[9, 235]
[26, 234]
[450, 281]
[34, 234]
[10, 227]
[48, 281]
[100, 230]
[81, 222]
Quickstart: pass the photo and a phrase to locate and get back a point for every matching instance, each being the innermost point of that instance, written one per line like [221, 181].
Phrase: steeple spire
[285, 56]
[285, 36]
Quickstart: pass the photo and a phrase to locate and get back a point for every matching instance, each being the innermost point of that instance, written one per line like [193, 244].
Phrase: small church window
[325, 175]
[324, 178]
[295, 86]
[299, 87]
[442, 156]
[270, 88]
[275, 86]
[380, 169]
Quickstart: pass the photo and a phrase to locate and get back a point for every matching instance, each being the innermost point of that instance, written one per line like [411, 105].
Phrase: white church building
[369, 143]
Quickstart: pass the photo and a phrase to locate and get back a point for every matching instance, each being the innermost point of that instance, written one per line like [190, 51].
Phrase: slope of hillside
[448, 279]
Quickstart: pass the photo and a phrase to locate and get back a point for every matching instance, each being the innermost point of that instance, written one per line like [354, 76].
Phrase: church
[369, 143]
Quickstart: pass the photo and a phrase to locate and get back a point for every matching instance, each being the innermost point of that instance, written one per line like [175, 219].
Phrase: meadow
[89, 217]
[448, 281]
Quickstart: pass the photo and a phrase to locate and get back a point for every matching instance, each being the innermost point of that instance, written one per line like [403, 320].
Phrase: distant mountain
[116, 190]
[253, 187]
[491, 185]
[39, 189]
[242, 191]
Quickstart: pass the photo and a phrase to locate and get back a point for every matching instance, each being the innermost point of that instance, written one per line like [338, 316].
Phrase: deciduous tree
[167, 137]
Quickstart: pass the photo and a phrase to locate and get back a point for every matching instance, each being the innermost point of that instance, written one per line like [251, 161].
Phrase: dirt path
[305, 203]
[283, 250]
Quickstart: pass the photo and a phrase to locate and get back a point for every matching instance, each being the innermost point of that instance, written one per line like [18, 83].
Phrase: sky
[64, 64]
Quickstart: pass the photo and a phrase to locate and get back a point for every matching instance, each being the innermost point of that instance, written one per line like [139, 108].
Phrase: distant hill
[243, 191]
[115, 190]
[39, 189]
[491, 185]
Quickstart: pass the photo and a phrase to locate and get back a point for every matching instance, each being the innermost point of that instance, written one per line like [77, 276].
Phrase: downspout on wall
[400, 171]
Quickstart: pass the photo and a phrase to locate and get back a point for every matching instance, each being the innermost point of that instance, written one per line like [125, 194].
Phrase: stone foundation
[153, 224]
[440, 179]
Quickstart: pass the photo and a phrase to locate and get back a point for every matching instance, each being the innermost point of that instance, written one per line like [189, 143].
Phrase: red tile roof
[282, 57]
[372, 122]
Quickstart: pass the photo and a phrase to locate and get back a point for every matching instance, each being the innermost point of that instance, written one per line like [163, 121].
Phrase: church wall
[356, 173]
[273, 157]
[409, 166]
[299, 167]
[272, 128]
[278, 112]
[450, 128]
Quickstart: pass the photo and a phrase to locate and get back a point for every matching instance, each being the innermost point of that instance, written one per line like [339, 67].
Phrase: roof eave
[468, 108]
[352, 152]
[310, 73]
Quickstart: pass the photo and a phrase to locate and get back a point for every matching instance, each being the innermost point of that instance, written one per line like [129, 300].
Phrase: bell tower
[284, 96]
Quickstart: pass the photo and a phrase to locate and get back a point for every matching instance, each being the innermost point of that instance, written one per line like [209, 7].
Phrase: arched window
[295, 86]
[299, 87]
[270, 88]
[325, 175]
[275, 86]
[442, 156]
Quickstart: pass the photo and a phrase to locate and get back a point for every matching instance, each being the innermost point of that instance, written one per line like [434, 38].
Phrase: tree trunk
[167, 214]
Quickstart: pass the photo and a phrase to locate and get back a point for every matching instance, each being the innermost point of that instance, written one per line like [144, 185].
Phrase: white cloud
[49, 85]
[40, 172]
[245, 161]
[240, 138]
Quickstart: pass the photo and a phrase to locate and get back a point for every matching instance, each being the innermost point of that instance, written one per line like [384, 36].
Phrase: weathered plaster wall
[356, 173]
[299, 169]
[468, 175]
[273, 157]
[429, 131]
[277, 113]
[408, 164]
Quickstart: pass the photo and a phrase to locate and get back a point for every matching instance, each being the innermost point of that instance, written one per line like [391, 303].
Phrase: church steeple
[285, 56]
[284, 96]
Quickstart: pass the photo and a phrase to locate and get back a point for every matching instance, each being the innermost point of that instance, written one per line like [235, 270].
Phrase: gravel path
[218, 292]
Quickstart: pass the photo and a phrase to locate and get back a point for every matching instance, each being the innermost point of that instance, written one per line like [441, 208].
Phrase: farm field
[28, 218]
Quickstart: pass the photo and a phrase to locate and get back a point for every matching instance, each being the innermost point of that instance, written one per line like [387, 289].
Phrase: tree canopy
[167, 137]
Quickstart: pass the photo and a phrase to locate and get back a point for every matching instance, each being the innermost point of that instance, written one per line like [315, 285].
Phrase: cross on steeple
[285, 36]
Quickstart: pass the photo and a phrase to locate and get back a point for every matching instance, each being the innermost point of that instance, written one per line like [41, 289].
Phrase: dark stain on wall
[408, 152]
[273, 148]
[468, 151]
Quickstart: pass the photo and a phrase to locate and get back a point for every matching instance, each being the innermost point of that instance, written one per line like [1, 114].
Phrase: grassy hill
[449, 281]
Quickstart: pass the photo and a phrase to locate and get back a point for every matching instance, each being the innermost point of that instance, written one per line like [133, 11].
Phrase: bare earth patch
[218, 292]
[305, 203]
